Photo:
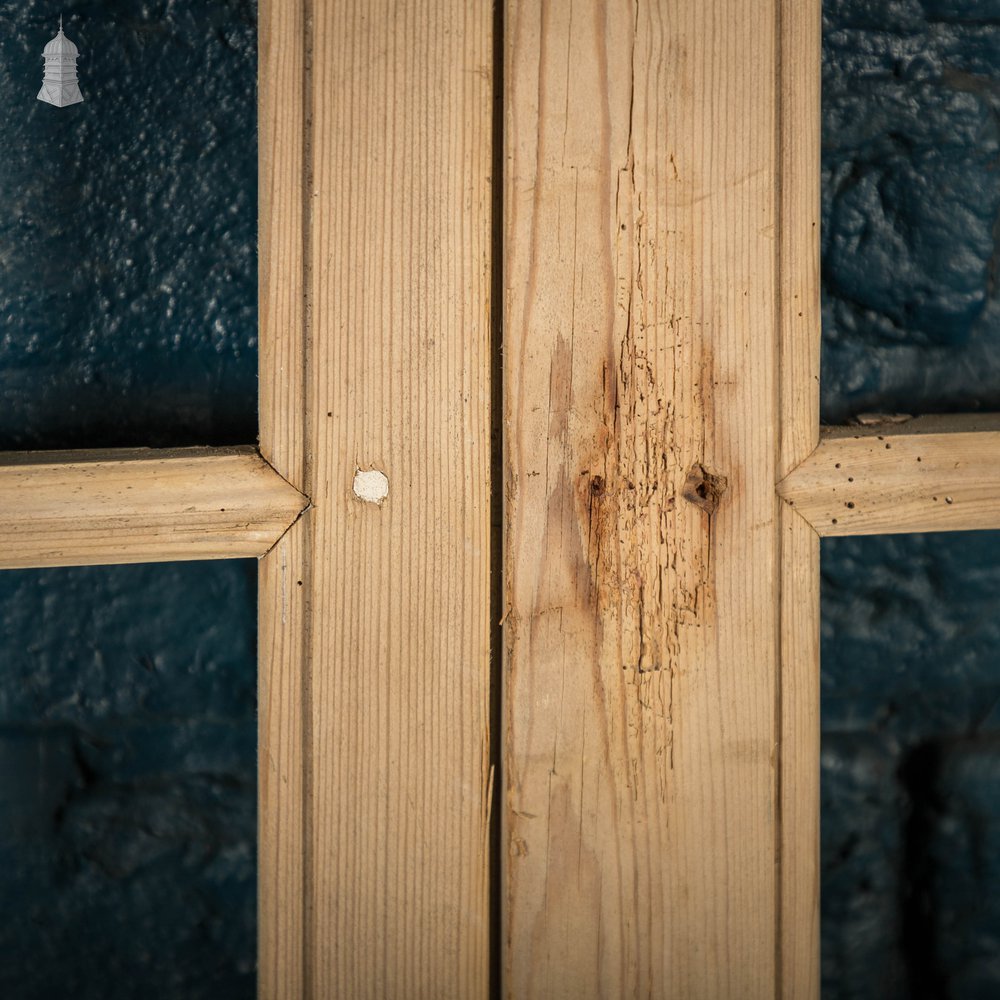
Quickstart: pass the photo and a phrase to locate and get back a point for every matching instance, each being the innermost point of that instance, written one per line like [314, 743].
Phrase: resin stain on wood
[641, 538]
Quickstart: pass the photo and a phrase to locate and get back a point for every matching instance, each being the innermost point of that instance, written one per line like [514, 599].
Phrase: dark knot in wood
[703, 488]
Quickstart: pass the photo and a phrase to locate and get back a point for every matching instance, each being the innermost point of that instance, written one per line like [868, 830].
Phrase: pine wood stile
[642, 536]
[642, 698]
[798, 744]
[283, 131]
[375, 617]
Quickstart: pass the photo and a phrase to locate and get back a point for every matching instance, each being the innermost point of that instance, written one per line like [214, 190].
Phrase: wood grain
[376, 677]
[799, 108]
[83, 508]
[799, 763]
[285, 192]
[927, 474]
[800, 39]
[282, 756]
[641, 354]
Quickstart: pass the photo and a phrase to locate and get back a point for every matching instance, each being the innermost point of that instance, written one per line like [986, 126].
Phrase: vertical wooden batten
[798, 96]
[375, 356]
[283, 654]
[642, 402]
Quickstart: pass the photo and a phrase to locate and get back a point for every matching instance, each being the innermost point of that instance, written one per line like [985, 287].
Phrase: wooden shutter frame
[318, 915]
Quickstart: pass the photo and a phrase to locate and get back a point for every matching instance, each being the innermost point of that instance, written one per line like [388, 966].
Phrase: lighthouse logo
[59, 85]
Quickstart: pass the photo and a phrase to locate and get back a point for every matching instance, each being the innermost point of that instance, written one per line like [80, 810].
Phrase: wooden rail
[926, 474]
[137, 505]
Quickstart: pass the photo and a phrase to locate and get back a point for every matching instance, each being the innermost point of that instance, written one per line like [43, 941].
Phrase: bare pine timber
[375, 132]
[798, 969]
[282, 685]
[798, 755]
[926, 474]
[642, 400]
[83, 508]
[283, 195]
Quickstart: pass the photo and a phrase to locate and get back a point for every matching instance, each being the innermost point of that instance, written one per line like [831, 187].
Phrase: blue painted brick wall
[128, 782]
[128, 256]
[911, 199]
[911, 766]
[911, 625]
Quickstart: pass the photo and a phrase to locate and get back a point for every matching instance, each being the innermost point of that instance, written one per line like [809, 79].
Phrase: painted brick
[911, 96]
[128, 257]
[128, 782]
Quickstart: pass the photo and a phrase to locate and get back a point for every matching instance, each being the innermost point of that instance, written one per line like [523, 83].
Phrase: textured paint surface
[911, 624]
[911, 766]
[127, 782]
[911, 144]
[128, 260]
[128, 317]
